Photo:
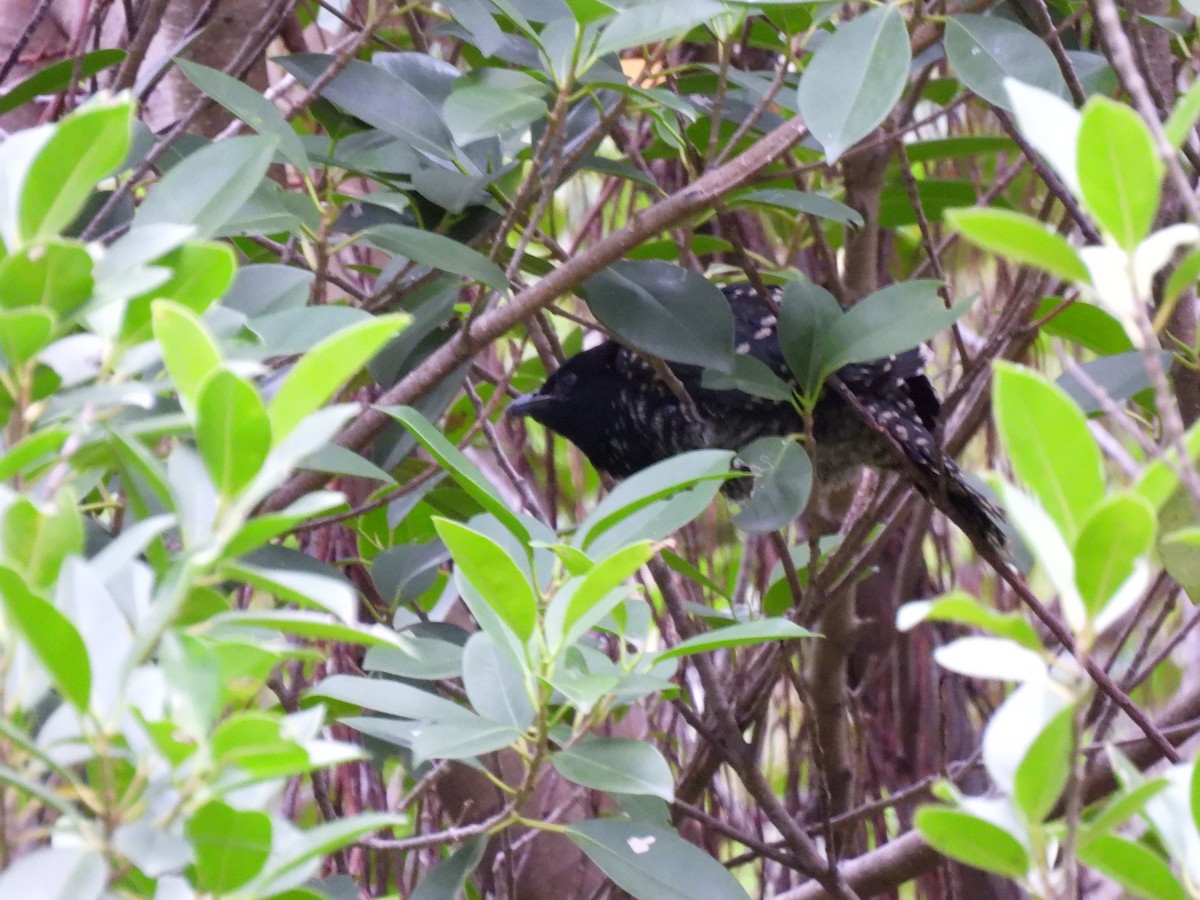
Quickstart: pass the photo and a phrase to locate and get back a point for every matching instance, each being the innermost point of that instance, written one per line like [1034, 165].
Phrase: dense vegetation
[291, 610]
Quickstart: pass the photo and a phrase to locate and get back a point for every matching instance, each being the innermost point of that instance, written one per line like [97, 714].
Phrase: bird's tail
[978, 516]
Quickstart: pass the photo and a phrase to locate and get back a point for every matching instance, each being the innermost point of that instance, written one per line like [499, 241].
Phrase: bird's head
[572, 400]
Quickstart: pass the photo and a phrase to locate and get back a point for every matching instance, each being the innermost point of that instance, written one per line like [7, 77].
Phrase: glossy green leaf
[1183, 116]
[461, 469]
[1086, 325]
[231, 845]
[573, 609]
[889, 321]
[650, 485]
[802, 202]
[652, 21]
[1047, 439]
[488, 103]
[51, 636]
[55, 275]
[962, 608]
[232, 431]
[24, 333]
[1114, 535]
[200, 272]
[439, 252]
[782, 484]
[972, 840]
[189, 351]
[807, 314]
[1020, 237]
[854, 79]
[653, 862]
[497, 688]
[666, 311]
[503, 583]
[56, 873]
[984, 50]
[296, 576]
[36, 539]
[248, 105]
[1137, 868]
[208, 186]
[59, 76]
[616, 765]
[1043, 773]
[379, 98]
[320, 372]
[757, 632]
[1120, 173]
[462, 738]
[85, 146]
[445, 880]
[990, 657]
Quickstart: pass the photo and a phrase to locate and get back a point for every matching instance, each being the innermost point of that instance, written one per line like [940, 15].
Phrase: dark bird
[612, 404]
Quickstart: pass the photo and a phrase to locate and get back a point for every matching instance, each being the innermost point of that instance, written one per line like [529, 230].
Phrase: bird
[613, 403]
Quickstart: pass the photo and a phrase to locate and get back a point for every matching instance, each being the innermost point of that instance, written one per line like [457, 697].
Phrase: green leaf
[200, 274]
[189, 352]
[51, 636]
[24, 333]
[322, 841]
[488, 103]
[37, 539]
[1120, 173]
[854, 79]
[961, 607]
[445, 880]
[231, 845]
[248, 105]
[1050, 124]
[56, 873]
[496, 687]
[657, 20]
[990, 657]
[574, 607]
[889, 321]
[295, 576]
[653, 862]
[319, 373]
[393, 698]
[757, 632]
[233, 432]
[503, 583]
[462, 738]
[461, 469]
[1183, 117]
[1043, 773]
[807, 314]
[85, 146]
[59, 76]
[654, 483]
[1051, 449]
[379, 98]
[802, 202]
[1183, 276]
[972, 840]
[984, 50]
[616, 765]
[438, 252]
[1139, 870]
[209, 185]
[666, 311]
[1114, 535]
[782, 483]
[1086, 325]
[309, 624]
[56, 275]
[1020, 237]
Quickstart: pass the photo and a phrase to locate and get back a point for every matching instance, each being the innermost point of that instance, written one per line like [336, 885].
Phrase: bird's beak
[528, 405]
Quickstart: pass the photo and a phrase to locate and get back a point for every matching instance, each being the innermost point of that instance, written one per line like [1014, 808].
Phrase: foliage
[290, 610]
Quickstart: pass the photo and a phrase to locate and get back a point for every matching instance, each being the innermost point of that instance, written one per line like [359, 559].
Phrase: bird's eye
[566, 383]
